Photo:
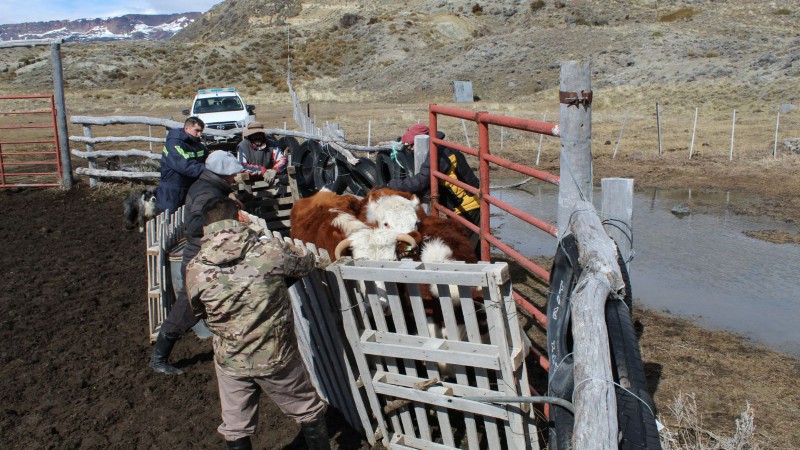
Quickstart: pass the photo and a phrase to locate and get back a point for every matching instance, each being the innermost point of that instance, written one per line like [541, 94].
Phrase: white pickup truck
[222, 109]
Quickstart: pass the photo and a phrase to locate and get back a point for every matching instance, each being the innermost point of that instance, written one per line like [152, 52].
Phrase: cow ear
[416, 235]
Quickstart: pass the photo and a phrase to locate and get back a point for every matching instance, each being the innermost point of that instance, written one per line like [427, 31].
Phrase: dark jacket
[181, 163]
[208, 186]
[453, 163]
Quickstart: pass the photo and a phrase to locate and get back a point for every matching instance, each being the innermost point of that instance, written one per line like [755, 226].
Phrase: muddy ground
[74, 361]
[73, 323]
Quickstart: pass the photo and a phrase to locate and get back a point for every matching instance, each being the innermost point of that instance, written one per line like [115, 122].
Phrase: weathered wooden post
[87, 131]
[694, 129]
[541, 139]
[594, 396]
[575, 123]
[622, 130]
[422, 145]
[617, 208]
[658, 121]
[61, 115]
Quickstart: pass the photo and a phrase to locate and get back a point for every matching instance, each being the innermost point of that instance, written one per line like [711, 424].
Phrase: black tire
[636, 419]
[388, 168]
[327, 167]
[361, 177]
[303, 161]
[290, 146]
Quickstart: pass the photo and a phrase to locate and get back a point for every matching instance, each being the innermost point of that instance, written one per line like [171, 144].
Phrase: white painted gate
[422, 390]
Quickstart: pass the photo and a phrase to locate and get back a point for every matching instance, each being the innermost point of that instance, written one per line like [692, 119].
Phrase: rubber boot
[316, 434]
[240, 444]
[160, 359]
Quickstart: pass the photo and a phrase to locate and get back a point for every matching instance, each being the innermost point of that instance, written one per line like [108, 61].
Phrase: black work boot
[316, 434]
[240, 444]
[160, 359]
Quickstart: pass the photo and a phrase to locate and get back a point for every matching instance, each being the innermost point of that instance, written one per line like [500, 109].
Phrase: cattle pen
[380, 367]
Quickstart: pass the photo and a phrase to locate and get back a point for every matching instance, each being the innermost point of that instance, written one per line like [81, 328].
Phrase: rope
[396, 149]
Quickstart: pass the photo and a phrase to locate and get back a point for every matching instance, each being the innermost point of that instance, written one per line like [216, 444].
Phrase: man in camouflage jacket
[238, 279]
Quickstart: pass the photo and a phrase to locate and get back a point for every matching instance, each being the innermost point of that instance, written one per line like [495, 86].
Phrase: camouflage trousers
[290, 388]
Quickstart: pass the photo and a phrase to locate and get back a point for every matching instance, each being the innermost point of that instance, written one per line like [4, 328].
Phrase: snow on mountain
[128, 27]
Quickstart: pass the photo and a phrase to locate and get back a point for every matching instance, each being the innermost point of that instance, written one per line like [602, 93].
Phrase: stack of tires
[318, 165]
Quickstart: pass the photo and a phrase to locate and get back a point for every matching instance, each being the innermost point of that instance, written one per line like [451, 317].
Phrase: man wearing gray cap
[215, 182]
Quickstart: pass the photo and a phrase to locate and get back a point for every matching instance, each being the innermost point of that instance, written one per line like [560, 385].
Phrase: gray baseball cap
[223, 163]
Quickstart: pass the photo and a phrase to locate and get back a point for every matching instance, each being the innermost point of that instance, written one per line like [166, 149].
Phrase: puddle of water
[700, 266]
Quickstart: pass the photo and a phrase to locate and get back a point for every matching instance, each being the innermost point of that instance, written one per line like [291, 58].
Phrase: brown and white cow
[330, 222]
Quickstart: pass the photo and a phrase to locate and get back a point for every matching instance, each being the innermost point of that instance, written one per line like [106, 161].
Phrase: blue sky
[19, 11]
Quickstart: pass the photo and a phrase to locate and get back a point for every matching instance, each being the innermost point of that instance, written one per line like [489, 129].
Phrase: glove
[269, 176]
[322, 262]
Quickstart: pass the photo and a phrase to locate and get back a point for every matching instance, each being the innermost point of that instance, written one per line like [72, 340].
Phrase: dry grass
[686, 430]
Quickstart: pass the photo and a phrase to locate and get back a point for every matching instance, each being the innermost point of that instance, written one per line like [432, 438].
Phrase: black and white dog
[140, 206]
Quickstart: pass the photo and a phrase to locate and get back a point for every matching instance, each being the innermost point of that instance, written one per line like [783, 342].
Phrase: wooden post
[87, 131]
[541, 139]
[775, 145]
[502, 132]
[733, 128]
[466, 136]
[369, 133]
[575, 123]
[61, 115]
[617, 209]
[594, 396]
[694, 128]
[422, 146]
[658, 121]
[622, 130]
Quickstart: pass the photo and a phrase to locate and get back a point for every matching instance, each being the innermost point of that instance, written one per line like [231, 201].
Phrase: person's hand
[322, 262]
[269, 176]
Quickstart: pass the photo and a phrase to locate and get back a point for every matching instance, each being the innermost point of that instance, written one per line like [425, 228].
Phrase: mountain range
[155, 27]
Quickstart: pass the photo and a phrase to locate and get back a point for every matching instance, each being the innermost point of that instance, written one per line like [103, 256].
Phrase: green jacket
[239, 280]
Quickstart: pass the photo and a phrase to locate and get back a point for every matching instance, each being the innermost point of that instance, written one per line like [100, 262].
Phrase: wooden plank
[481, 375]
[437, 396]
[391, 274]
[116, 154]
[404, 442]
[617, 208]
[420, 321]
[353, 338]
[391, 364]
[381, 343]
[457, 389]
[446, 303]
[397, 315]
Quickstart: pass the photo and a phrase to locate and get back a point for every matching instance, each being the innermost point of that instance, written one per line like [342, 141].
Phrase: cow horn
[403, 237]
[341, 247]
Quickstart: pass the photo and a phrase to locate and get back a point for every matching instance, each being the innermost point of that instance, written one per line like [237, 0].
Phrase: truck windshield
[217, 104]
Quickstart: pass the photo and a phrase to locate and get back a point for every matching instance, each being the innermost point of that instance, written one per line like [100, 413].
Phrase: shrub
[477, 9]
[657, 34]
[711, 54]
[348, 20]
[783, 12]
[537, 5]
[681, 14]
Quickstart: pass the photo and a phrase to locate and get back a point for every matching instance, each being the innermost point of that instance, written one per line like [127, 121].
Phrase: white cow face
[375, 244]
[394, 212]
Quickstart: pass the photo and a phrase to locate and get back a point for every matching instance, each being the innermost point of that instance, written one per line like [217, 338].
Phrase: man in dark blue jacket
[181, 164]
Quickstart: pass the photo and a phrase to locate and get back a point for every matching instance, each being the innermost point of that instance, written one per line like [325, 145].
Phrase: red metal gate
[483, 120]
[29, 150]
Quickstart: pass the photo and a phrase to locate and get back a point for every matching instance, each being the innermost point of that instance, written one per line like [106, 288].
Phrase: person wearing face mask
[181, 164]
[260, 154]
